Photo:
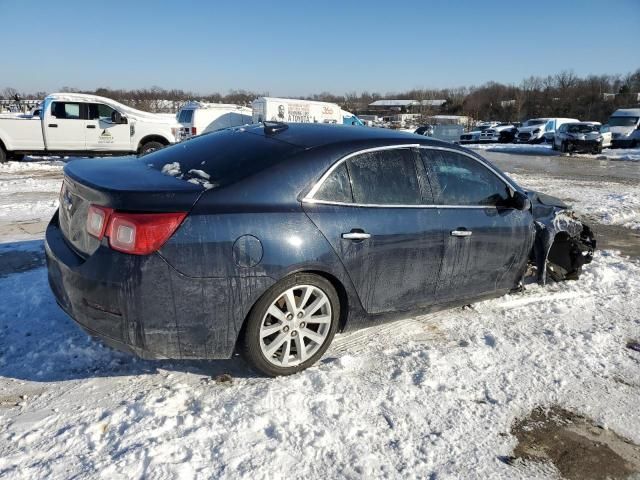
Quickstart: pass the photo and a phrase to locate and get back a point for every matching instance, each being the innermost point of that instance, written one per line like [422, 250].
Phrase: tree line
[565, 94]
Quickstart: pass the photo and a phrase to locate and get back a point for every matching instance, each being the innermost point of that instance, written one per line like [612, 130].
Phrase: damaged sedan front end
[563, 243]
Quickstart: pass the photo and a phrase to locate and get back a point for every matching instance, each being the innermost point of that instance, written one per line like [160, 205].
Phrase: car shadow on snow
[40, 343]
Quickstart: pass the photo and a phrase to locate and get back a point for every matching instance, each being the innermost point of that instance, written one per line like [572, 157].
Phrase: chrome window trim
[309, 197]
[313, 201]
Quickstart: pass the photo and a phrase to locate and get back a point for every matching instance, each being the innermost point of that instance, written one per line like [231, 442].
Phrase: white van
[200, 117]
[625, 127]
[538, 130]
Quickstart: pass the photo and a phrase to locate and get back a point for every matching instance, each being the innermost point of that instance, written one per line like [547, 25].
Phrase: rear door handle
[53, 125]
[461, 233]
[356, 236]
[91, 126]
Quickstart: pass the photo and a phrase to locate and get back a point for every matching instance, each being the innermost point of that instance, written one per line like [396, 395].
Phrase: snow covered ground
[623, 154]
[426, 397]
[609, 203]
[28, 190]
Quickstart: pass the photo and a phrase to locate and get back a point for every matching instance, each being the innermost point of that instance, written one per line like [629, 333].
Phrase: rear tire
[270, 339]
[150, 147]
[3, 155]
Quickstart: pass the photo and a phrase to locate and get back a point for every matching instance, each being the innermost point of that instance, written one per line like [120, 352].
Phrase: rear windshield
[185, 116]
[531, 123]
[623, 121]
[220, 158]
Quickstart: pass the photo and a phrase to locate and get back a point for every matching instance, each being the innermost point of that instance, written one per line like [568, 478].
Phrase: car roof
[310, 135]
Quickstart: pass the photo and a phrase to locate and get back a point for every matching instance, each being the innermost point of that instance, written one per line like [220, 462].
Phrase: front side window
[100, 111]
[463, 181]
[384, 177]
[66, 110]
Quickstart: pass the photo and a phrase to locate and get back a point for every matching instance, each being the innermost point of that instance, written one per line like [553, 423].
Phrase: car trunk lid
[124, 184]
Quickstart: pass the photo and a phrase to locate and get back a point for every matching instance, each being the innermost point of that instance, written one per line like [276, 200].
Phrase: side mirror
[520, 201]
[117, 118]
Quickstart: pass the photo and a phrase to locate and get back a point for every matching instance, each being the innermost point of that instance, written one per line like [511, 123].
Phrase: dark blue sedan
[269, 239]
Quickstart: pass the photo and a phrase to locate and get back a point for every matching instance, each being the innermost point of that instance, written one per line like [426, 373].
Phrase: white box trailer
[290, 110]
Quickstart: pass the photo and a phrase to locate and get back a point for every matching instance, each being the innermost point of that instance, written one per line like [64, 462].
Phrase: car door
[65, 126]
[486, 242]
[372, 208]
[102, 133]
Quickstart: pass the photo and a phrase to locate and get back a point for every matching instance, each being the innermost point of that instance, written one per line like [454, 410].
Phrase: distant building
[507, 103]
[406, 106]
[449, 120]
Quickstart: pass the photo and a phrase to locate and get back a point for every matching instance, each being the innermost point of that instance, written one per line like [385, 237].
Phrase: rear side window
[66, 110]
[336, 187]
[460, 180]
[386, 177]
[185, 116]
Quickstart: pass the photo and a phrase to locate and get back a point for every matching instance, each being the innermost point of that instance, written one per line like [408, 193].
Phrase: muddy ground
[575, 445]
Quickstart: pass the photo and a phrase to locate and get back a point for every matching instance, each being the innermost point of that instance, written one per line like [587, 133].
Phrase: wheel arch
[335, 282]
[152, 138]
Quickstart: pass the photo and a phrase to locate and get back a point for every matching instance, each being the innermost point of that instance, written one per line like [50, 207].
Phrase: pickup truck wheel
[150, 147]
[3, 156]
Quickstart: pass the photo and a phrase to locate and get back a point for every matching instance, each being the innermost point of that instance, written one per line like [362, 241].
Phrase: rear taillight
[97, 220]
[135, 233]
[194, 131]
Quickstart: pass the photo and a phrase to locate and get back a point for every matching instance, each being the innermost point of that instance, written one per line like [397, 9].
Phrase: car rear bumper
[142, 305]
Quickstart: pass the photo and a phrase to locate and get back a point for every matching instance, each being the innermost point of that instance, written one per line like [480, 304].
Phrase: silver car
[589, 137]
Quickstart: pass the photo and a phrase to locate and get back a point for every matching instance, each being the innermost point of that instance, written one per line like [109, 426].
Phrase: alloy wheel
[295, 326]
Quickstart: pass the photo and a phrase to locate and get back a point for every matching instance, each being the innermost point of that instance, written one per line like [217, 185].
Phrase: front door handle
[356, 235]
[461, 233]
[53, 125]
[91, 126]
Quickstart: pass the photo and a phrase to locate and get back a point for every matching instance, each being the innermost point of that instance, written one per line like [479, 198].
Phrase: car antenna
[271, 128]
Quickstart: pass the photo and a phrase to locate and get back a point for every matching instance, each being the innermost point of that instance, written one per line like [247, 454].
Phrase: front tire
[291, 325]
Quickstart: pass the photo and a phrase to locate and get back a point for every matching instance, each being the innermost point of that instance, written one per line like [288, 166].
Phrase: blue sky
[298, 48]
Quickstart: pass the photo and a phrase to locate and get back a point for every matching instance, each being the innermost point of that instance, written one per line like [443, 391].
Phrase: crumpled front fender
[556, 222]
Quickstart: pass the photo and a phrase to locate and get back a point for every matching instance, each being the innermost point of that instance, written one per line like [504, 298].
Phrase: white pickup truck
[80, 124]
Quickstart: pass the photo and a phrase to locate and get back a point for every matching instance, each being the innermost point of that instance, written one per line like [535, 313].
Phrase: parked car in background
[426, 130]
[269, 239]
[80, 124]
[625, 127]
[538, 130]
[474, 135]
[200, 117]
[495, 133]
[589, 137]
